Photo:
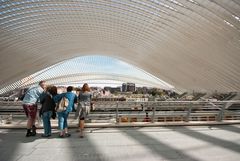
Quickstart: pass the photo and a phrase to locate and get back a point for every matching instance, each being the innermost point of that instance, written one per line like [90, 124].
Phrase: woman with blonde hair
[83, 108]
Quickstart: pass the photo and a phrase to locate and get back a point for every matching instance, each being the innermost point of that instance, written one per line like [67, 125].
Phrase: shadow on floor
[207, 138]
[159, 148]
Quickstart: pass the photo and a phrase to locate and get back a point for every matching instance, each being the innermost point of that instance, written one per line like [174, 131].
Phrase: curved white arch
[191, 44]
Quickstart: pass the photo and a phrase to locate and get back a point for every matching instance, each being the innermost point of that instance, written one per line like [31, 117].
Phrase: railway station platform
[177, 143]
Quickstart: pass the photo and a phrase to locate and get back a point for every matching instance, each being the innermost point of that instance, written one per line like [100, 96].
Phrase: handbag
[62, 105]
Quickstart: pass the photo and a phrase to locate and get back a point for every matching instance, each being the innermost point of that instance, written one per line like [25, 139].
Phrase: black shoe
[34, 133]
[67, 135]
[34, 130]
[44, 136]
[61, 136]
[29, 134]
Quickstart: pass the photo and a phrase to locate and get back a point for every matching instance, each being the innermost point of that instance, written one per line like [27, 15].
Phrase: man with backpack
[30, 100]
[65, 105]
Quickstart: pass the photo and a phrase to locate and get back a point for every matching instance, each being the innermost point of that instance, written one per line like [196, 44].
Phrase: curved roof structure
[191, 44]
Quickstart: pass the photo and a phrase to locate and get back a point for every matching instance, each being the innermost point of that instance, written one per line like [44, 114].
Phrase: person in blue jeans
[63, 115]
[47, 110]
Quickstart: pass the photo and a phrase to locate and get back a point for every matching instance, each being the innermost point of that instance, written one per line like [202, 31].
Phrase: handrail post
[189, 112]
[153, 114]
[117, 119]
[1, 120]
[221, 112]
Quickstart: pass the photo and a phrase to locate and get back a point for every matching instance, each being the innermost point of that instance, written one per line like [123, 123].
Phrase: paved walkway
[181, 143]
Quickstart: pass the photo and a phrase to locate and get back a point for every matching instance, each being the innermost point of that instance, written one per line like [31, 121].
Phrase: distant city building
[142, 90]
[115, 89]
[131, 87]
[112, 89]
[128, 87]
[124, 87]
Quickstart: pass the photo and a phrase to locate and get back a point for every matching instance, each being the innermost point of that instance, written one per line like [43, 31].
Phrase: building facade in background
[128, 87]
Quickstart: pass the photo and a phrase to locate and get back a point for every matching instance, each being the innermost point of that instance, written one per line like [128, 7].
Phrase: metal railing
[163, 111]
[151, 111]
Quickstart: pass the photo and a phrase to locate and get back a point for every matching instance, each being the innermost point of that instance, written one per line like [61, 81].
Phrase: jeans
[62, 120]
[46, 122]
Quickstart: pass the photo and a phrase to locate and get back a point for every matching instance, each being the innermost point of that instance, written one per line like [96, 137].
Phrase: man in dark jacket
[48, 110]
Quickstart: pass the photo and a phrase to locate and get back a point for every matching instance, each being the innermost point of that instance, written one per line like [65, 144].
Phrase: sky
[92, 67]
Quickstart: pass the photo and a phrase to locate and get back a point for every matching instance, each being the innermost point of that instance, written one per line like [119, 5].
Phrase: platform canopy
[190, 44]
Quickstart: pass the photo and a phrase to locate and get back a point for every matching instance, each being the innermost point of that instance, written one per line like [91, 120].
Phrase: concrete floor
[179, 143]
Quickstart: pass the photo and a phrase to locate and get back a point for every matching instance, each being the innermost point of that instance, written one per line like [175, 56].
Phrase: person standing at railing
[83, 108]
[68, 99]
[30, 100]
[47, 110]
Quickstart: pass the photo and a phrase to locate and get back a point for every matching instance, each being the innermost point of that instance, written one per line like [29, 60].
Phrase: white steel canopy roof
[191, 44]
